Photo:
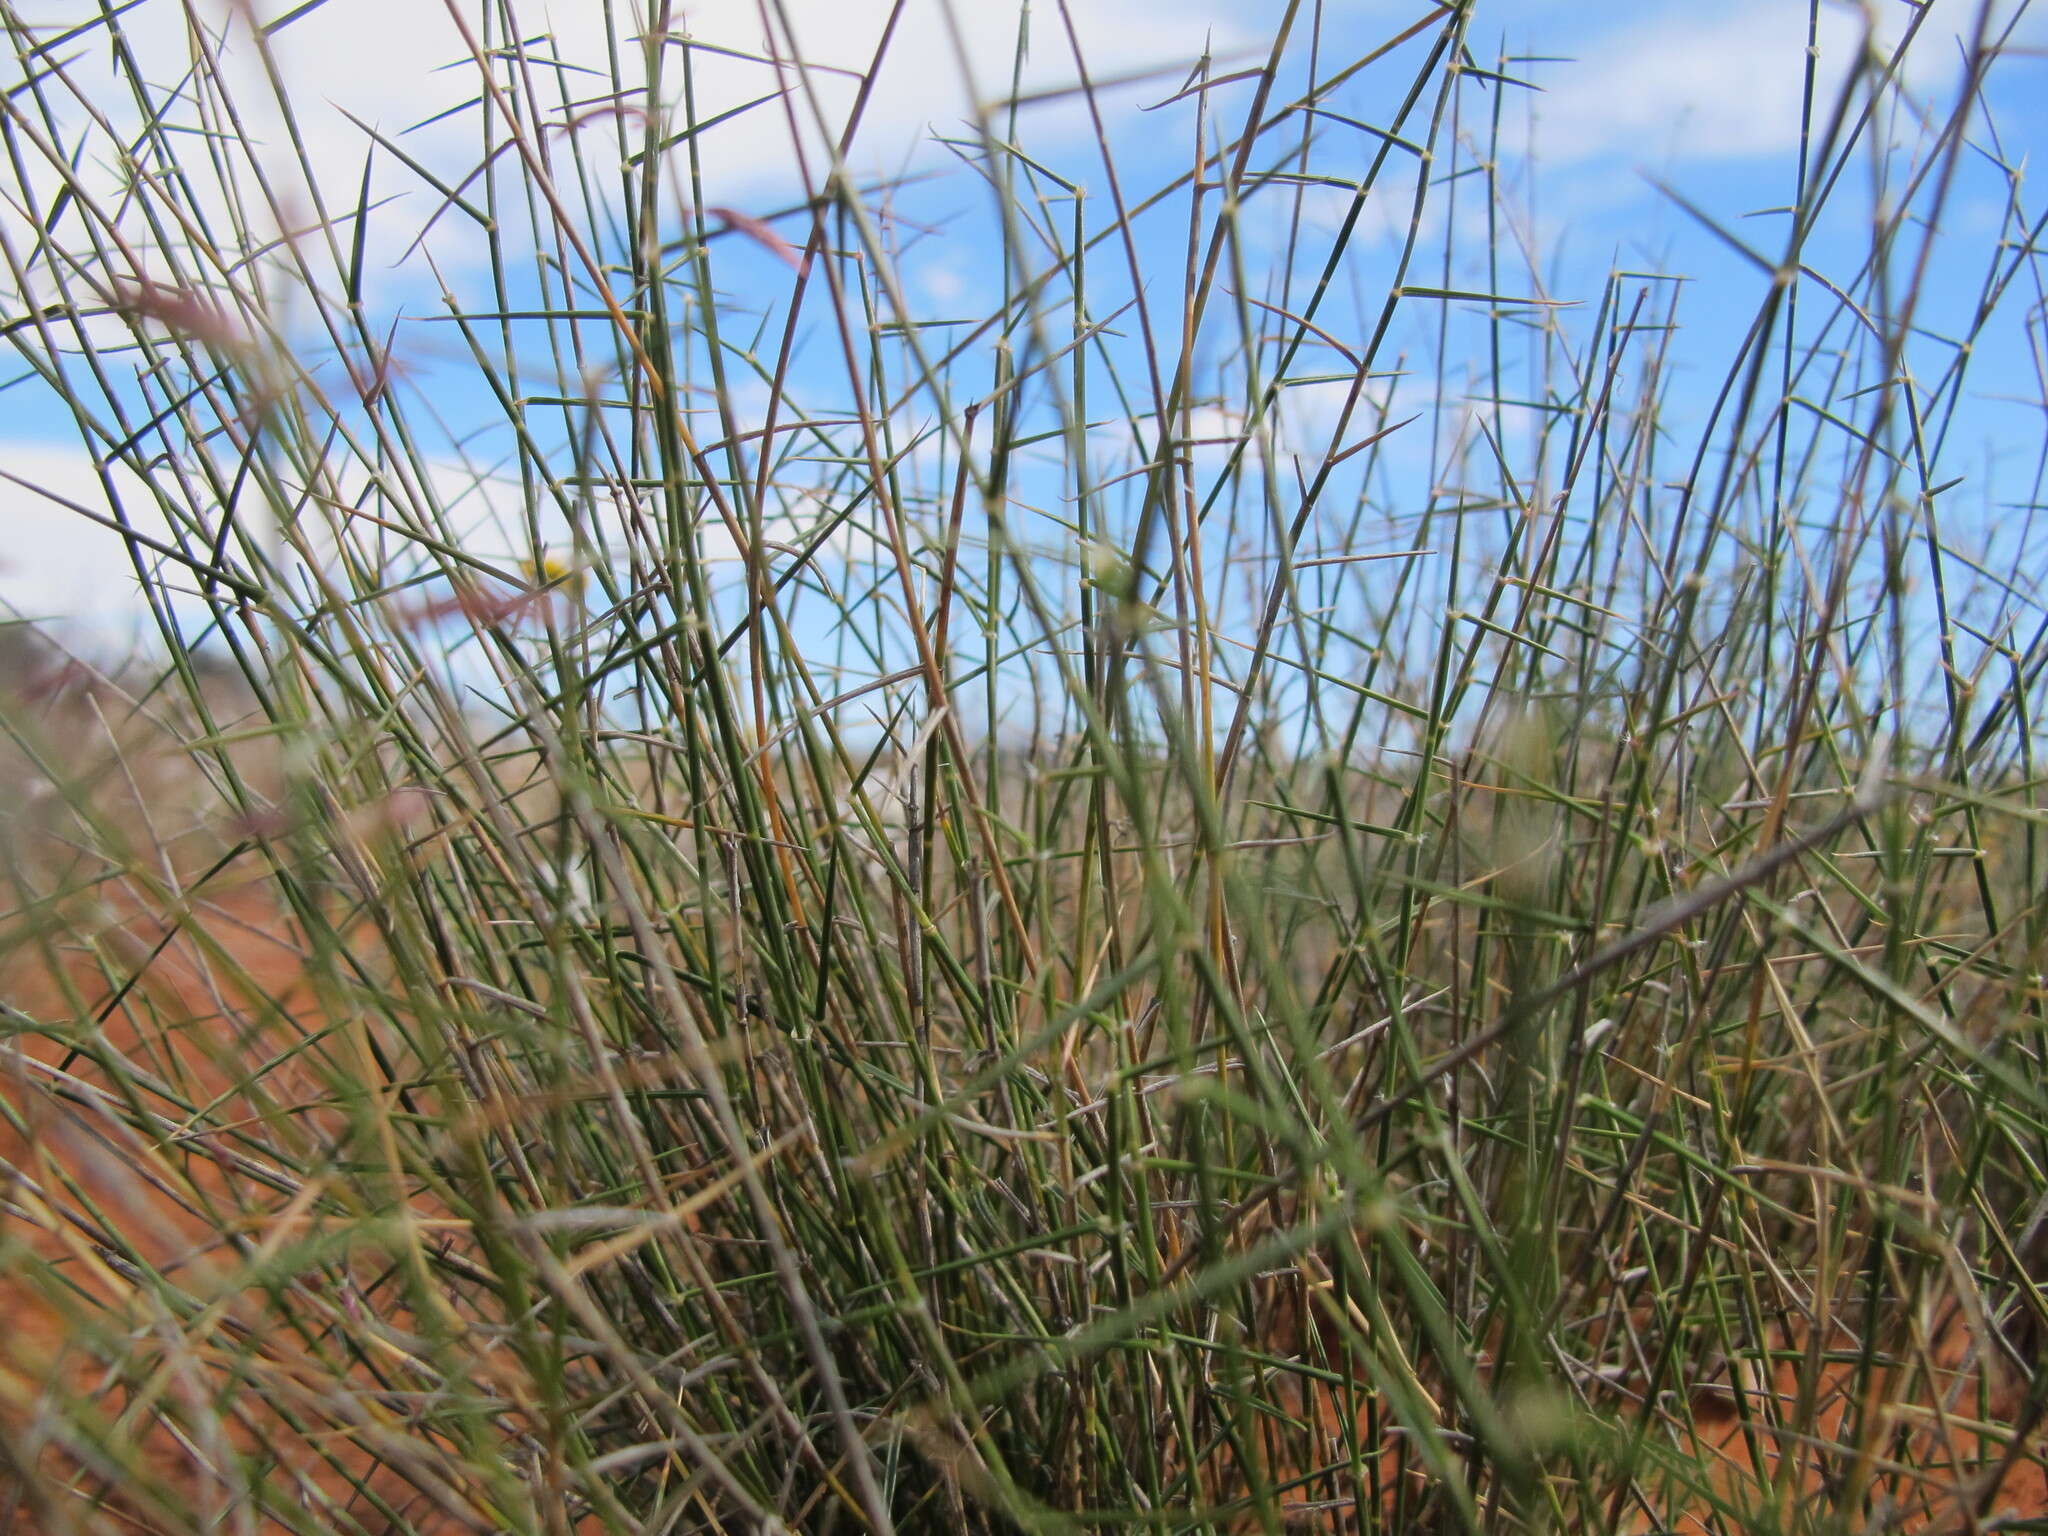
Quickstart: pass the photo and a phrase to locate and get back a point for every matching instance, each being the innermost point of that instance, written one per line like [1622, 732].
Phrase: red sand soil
[315, 1396]
[1932, 1450]
[1934, 1461]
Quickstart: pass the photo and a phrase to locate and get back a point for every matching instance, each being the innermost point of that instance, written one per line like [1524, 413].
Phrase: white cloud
[64, 569]
[55, 564]
[395, 64]
[378, 59]
[1706, 83]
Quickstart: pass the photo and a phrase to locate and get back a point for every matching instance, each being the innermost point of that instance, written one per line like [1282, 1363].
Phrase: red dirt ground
[303, 1394]
[1928, 1460]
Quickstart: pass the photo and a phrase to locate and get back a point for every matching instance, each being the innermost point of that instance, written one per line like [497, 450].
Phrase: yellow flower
[549, 570]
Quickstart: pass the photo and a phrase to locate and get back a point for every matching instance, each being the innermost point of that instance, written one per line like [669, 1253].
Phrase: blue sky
[1623, 106]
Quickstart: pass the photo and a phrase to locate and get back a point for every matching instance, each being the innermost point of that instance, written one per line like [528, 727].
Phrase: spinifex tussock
[1175, 832]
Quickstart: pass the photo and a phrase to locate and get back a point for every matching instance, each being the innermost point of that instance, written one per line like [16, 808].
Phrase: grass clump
[1279, 881]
